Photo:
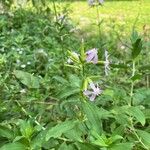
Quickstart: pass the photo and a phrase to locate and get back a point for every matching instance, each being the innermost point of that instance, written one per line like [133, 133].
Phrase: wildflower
[20, 52]
[13, 48]
[23, 66]
[18, 49]
[106, 63]
[91, 2]
[18, 61]
[42, 52]
[95, 91]
[69, 61]
[122, 47]
[61, 18]
[92, 56]
[101, 2]
[23, 91]
[28, 63]
[2, 49]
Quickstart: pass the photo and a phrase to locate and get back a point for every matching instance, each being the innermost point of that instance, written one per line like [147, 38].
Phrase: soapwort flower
[94, 2]
[91, 2]
[91, 55]
[101, 2]
[93, 92]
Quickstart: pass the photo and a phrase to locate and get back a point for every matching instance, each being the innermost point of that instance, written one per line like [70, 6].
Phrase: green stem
[26, 113]
[137, 136]
[55, 9]
[98, 18]
[132, 83]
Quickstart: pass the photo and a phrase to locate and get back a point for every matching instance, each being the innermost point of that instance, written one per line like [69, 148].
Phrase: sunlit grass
[115, 14]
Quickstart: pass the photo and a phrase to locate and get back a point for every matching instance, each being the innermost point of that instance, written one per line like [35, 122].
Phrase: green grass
[119, 15]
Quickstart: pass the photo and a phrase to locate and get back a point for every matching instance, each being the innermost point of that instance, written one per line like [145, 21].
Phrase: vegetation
[74, 76]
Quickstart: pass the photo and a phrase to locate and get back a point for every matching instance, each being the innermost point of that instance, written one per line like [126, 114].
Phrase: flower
[22, 91]
[91, 2]
[69, 61]
[92, 56]
[95, 91]
[28, 63]
[122, 47]
[106, 63]
[20, 52]
[23, 66]
[18, 61]
[101, 2]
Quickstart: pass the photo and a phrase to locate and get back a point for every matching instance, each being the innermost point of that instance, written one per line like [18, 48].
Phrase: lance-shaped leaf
[13, 146]
[27, 79]
[61, 128]
[136, 48]
[145, 137]
[138, 114]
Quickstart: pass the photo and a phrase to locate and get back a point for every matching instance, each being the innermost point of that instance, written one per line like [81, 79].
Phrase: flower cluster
[90, 56]
[93, 91]
[94, 2]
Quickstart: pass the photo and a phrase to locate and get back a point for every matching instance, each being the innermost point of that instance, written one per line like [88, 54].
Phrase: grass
[119, 15]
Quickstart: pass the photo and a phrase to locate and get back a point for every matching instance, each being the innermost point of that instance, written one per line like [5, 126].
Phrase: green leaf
[74, 81]
[109, 92]
[114, 138]
[136, 48]
[119, 130]
[100, 140]
[68, 92]
[61, 128]
[64, 146]
[138, 114]
[60, 79]
[39, 139]
[6, 132]
[74, 134]
[94, 116]
[13, 146]
[124, 66]
[134, 36]
[27, 79]
[121, 146]
[26, 129]
[136, 77]
[145, 136]
[86, 146]
[144, 67]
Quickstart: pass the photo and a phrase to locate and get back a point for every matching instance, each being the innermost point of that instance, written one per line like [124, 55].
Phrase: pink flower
[92, 56]
[95, 91]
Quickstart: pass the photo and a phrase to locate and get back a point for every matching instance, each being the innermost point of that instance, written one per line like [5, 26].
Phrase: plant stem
[26, 113]
[132, 83]
[55, 9]
[98, 18]
[137, 136]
